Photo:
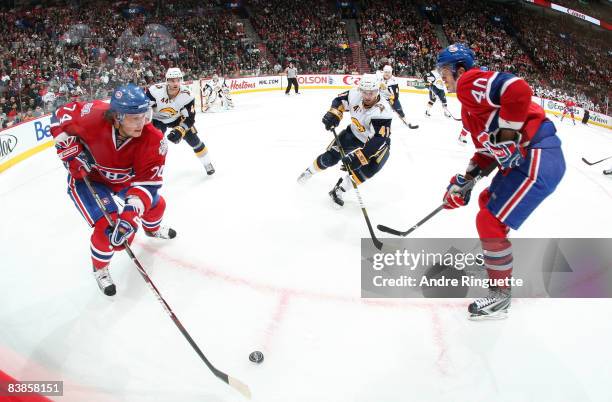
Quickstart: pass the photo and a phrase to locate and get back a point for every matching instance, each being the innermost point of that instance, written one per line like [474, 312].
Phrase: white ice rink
[261, 263]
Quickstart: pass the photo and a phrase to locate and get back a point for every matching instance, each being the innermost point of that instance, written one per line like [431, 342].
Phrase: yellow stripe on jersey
[336, 112]
[203, 152]
[382, 154]
[357, 124]
[362, 158]
[355, 178]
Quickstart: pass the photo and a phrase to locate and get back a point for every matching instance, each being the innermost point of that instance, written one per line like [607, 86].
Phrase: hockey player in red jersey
[569, 108]
[123, 155]
[512, 132]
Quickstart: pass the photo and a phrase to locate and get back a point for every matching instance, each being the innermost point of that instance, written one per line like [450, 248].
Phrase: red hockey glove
[125, 226]
[458, 192]
[75, 157]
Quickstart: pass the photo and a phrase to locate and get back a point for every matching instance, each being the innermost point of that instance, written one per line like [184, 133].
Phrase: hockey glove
[177, 133]
[458, 192]
[75, 157]
[125, 226]
[332, 118]
[507, 153]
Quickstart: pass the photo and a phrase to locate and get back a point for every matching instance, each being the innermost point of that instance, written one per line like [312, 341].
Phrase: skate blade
[500, 315]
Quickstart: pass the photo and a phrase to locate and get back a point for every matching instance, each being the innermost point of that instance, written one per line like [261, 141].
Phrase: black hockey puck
[256, 357]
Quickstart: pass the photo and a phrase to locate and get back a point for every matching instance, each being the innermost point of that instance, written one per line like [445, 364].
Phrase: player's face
[447, 76]
[369, 97]
[132, 124]
[387, 74]
[173, 84]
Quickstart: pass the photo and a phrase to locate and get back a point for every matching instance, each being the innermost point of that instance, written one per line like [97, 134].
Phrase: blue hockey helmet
[456, 55]
[129, 99]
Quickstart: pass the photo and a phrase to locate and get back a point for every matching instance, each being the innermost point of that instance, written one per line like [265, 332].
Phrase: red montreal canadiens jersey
[137, 163]
[569, 104]
[492, 100]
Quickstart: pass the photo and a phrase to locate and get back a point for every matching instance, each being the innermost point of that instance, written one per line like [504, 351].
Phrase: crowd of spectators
[50, 55]
[309, 33]
[393, 31]
[483, 26]
[574, 58]
[560, 56]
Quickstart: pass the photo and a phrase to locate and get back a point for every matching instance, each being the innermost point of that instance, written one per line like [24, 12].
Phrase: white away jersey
[361, 118]
[435, 79]
[212, 86]
[389, 89]
[169, 110]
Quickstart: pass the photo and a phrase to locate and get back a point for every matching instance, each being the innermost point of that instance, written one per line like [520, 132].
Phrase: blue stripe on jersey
[101, 256]
[153, 191]
[496, 86]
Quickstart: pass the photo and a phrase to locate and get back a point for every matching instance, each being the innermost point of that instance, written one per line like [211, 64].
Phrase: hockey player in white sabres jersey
[436, 90]
[389, 89]
[366, 140]
[174, 109]
[216, 88]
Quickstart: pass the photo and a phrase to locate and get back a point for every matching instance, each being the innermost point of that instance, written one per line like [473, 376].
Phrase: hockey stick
[451, 115]
[395, 232]
[433, 213]
[232, 382]
[596, 162]
[403, 119]
[377, 243]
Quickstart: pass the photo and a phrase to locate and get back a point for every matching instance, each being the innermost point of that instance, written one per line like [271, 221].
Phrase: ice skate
[163, 232]
[105, 282]
[493, 307]
[306, 174]
[337, 193]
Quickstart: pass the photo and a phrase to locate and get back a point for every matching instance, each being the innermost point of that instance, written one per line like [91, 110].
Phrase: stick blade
[377, 243]
[587, 162]
[387, 229]
[239, 386]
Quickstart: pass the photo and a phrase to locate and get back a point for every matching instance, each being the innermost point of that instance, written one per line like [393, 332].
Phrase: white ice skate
[306, 174]
[163, 232]
[493, 307]
[105, 282]
[208, 166]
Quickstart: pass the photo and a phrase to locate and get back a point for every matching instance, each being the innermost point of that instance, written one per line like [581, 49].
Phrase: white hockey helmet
[174, 72]
[387, 69]
[215, 78]
[369, 82]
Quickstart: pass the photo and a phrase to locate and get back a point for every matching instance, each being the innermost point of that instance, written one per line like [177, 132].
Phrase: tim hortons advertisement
[252, 84]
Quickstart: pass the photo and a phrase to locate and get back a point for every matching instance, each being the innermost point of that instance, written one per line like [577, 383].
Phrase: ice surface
[261, 263]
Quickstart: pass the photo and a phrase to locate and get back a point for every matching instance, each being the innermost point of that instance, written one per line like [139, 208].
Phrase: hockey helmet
[129, 99]
[456, 55]
[369, 82]
[174, 72]
[387, 69]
